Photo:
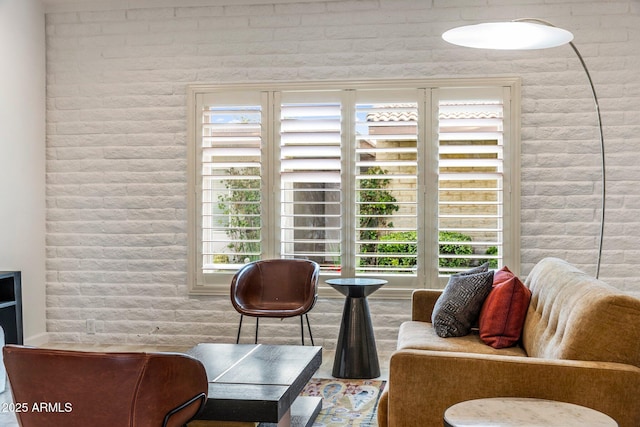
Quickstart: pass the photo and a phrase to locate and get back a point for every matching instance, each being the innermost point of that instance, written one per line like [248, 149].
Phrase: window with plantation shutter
[310, 178]
[407, 181]
[386, 182]
[231, 183]
[471, 182]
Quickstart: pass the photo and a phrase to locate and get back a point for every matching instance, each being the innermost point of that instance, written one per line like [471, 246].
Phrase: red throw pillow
[503, 312]
[502, 275]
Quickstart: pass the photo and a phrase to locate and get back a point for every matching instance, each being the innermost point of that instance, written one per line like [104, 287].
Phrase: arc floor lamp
[525, 34]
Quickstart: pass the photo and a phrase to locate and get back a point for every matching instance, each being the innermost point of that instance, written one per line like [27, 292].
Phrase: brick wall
[116, 149]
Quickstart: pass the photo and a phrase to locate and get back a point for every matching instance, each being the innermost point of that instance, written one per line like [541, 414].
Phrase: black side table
[356, 353]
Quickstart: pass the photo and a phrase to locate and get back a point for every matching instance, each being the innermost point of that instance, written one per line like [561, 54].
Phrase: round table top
[520, 412]
[356, 281]
[356, 287]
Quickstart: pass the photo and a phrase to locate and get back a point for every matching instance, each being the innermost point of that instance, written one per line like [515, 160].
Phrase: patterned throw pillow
[459, 306]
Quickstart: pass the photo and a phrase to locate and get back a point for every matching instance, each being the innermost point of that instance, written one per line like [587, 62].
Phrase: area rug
[346, 402]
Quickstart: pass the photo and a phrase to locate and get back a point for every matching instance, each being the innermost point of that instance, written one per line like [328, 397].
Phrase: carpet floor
[346, 402]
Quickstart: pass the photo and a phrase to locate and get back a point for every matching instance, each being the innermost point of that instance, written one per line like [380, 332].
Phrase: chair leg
[239, 329]
[309, 327]
[257, 326]
[256, 340]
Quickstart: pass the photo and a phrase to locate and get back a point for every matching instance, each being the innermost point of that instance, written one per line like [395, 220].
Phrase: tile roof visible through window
[412, 115]
[393, 116]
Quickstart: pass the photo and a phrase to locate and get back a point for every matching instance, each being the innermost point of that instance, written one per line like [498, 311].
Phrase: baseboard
[37, 340]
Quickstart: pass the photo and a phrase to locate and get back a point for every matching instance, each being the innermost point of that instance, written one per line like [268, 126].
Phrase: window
[309, 180]
[409, 181]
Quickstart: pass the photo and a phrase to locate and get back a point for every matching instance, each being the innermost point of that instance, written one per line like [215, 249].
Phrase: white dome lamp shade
[515, 35]
[528, 34]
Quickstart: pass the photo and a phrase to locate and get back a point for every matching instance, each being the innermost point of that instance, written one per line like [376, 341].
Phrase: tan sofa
[580, 344]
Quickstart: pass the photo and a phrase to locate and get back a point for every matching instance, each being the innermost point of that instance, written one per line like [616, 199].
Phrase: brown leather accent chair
[81, 389]
[276, 288]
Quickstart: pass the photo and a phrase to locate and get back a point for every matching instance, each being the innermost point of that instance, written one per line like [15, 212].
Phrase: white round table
[521, 412]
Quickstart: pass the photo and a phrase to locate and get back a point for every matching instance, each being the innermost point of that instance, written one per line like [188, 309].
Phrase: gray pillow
[459, 306]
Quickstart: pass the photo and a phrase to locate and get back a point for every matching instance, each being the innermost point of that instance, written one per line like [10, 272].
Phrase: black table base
[356, 354]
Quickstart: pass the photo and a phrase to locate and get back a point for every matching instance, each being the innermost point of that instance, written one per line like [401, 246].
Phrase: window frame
[427, 276]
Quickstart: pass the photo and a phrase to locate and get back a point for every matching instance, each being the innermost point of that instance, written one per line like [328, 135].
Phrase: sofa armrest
[422, 303]
[423, 384]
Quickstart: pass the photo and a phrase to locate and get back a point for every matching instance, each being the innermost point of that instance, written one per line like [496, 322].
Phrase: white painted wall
[116, 151]
[22, 155]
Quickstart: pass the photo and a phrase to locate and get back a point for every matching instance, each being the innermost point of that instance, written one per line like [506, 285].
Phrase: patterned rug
[346, 402]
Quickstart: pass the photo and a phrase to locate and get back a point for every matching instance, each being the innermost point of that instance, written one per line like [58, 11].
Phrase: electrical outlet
[91, 326]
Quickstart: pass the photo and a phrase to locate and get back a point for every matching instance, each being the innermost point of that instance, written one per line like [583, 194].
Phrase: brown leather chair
[80, 389]
[276, 288]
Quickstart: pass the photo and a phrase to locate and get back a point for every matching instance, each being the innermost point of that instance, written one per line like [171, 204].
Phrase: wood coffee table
[259, 383]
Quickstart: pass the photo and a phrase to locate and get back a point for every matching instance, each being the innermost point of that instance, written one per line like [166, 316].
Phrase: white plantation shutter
[407, 181]
[310, 178]
[471, 178]
[231, 181]
[386, 153]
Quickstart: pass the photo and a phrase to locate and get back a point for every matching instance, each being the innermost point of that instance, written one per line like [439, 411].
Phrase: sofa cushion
[458, 307]
[503, 312]
[575, 316]
[422, 336]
